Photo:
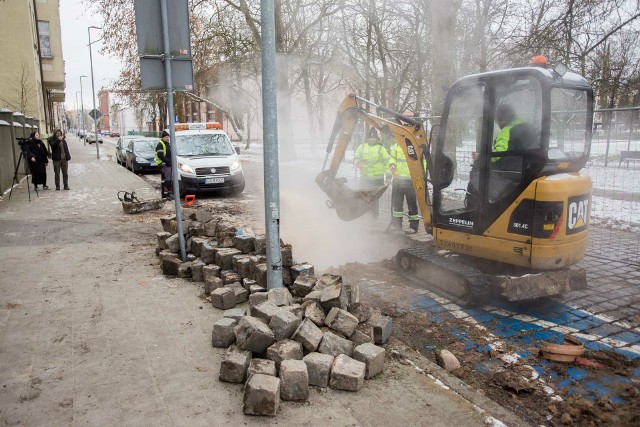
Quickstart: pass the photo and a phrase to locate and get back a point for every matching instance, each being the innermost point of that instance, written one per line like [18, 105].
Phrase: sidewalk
[91, 333]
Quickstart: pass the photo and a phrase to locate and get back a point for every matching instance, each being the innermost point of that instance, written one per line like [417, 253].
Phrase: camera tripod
[23, 154]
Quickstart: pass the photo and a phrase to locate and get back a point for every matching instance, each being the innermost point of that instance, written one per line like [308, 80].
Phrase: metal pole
[172, 130]
[84, 132]
[77, 112]
[93, 96]
[270, 141]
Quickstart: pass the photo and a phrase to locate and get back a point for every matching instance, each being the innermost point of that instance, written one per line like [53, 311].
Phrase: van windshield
[205, 144]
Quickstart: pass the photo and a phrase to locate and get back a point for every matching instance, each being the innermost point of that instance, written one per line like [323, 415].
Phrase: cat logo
[411, 150]
[578, 214]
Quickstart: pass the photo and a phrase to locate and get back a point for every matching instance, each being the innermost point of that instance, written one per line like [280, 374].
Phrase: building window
[45, 39]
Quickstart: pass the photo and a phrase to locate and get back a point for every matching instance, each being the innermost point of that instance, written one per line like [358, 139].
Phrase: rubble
[312, 331]
[447, 360]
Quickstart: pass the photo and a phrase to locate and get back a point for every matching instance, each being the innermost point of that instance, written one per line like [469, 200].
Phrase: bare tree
[18, 94]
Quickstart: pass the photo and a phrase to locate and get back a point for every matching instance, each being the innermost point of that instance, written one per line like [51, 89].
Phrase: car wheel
[134, 169]
[237, 189]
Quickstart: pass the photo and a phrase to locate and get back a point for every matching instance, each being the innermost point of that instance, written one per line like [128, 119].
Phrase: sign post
[165, 63]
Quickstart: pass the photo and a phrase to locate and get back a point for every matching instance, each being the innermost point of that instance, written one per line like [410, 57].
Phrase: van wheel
[237, 189]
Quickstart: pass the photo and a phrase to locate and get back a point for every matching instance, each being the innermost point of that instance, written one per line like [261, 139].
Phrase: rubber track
[478, 283]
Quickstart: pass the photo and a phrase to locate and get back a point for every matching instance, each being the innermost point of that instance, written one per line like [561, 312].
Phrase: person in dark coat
[38, 157]
[61, 157]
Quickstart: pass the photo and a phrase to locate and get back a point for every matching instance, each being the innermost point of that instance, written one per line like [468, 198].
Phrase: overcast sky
[75, 18]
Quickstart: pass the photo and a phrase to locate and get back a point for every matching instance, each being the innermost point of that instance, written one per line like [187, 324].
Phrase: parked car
[141, 154]
[122, 147]
[91, 138]
[114, 134]
[105, 132]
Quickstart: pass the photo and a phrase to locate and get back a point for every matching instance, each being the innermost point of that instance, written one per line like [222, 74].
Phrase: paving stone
[332, 296]
[211, 270]
[309, 335]
[296, 309]
[253, 335]
[162, 239]
[169, 224]
[382, 326]
[245, 244]
[246, 283]
[287, 278]
[224, 257]
[279, 296]
[188, 213]
[184, 270]
[265, 310]
[207, 252]
[284, 350]
[210, 228]
[170, 266]
[254, 288]
[243, 267]
[447, 360]
[229, 276]
[318, 368]
[373, 358]
[235, 363]
[191, 257]
[211, 284]
[236, 258]
[242, 294]
[262, 366]
[362, 335]
[341, 321]
[335, 345]
[361, 311]
[196, 229]
[223, 335]
[294, 379]
[196, 270]
[257, 298]
[303, 285]
[327, 280]
[314, 295]
[260, 244]
[235, 313]
[196, 245]
[204, 215]
[353, 293]
[304, 269]
[261, 395]
[173, 243]
[223, 298]
[286, 253]
[347, 374]
[260, 274]
[284, 324]
[605, 330]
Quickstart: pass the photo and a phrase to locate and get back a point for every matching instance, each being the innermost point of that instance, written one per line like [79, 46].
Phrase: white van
[207, 161]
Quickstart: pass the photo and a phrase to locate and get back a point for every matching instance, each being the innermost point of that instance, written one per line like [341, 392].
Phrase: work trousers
[61, 165]
[166, 188]
[403, 189]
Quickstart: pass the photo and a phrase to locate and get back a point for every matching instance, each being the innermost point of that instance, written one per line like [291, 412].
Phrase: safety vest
[164, 150]
[504, 136]
[400, 161]
[374, 158]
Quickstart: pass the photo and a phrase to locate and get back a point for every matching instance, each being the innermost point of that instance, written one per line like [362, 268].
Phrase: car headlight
[235, 165]
[141, 160]
[185, 168]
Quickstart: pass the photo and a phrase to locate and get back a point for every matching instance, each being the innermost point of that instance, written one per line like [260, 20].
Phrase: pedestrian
[163, 159]
[372, 158]
[38, 160]
[61, 157]
[401, 189]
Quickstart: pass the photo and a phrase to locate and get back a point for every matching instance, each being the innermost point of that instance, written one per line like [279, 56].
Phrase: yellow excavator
[510, 220]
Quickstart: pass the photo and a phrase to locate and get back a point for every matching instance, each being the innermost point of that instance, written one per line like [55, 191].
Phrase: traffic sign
[95, 114]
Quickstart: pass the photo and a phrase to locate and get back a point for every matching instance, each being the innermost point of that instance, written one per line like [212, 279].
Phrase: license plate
[213, 180]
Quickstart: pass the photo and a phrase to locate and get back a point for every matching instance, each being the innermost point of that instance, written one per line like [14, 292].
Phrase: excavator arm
[407, 132]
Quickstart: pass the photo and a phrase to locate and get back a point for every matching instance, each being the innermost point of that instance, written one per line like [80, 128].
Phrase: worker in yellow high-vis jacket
[401, 189]
[372, 158]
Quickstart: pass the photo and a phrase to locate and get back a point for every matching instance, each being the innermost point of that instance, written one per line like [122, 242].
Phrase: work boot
[67, 188]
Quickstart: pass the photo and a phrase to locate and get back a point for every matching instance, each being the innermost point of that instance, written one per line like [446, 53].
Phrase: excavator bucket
[349, 204]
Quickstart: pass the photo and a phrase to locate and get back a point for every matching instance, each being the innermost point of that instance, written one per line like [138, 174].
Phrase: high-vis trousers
[403, 189]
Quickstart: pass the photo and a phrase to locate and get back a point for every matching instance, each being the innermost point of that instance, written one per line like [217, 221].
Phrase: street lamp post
[84, 131]
[93, 91]
[77, 112]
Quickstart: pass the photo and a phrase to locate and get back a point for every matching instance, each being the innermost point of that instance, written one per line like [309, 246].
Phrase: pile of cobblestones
[313, 331]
